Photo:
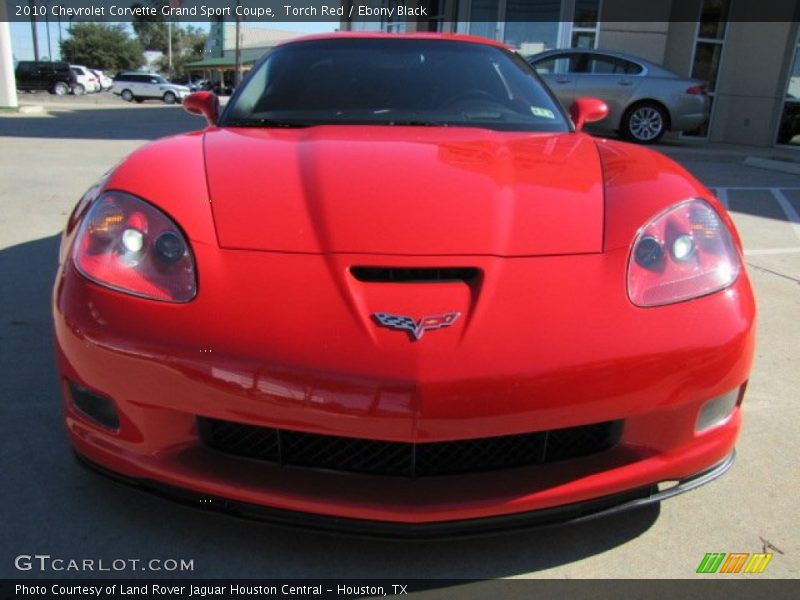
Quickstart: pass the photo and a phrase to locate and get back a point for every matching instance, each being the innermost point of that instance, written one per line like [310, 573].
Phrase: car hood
[405, 190]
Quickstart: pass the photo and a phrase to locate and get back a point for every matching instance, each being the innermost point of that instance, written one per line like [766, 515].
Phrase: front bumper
[571, 513]
[481, 378]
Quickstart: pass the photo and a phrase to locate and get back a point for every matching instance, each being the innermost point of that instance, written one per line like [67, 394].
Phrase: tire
[78, 89]
[127, 95]
[645, 123]
[60, 88]
[170, 98]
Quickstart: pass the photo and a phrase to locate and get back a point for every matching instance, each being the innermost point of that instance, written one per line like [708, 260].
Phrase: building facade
[752, 67]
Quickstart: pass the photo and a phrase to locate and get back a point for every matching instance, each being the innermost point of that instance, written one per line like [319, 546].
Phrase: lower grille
[407, 459]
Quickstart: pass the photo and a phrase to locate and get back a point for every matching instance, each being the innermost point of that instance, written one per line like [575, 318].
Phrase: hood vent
[414, 274]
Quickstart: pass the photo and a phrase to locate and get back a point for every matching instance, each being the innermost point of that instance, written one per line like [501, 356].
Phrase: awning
[227, 62]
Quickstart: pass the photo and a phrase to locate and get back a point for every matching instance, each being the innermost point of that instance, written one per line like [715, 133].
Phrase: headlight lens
[684, 252]
[127, 244]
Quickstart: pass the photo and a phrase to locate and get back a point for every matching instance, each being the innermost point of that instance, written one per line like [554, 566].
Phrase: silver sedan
[644, 99]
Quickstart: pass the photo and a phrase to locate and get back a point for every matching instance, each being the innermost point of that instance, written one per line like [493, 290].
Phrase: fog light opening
[97, 408]
[717, 410]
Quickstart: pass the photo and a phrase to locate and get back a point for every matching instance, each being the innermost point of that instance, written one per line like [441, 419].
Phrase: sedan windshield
[394, 82]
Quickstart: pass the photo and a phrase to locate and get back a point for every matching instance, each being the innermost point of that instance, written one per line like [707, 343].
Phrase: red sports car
[393, 288]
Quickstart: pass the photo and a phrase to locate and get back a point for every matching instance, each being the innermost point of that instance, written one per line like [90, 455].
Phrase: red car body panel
[357, 190]
[281, 335]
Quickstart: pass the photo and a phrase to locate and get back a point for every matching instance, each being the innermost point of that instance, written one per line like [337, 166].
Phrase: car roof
[653, 68]
[359, 35]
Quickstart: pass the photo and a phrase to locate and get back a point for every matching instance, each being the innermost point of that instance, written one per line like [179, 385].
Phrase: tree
[187, 46]
[152, 31]
[102, 46]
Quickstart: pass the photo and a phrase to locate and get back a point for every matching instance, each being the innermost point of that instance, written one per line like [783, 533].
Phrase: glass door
[708, 45]
[789, 126]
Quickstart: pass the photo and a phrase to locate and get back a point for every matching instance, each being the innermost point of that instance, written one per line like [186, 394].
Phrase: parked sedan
[644, 99]
[422, 301]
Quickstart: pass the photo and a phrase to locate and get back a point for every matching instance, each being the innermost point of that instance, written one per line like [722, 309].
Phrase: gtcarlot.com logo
[45, 562]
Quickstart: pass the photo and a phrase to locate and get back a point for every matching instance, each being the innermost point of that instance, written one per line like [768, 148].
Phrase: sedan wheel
[127, 95]
[645, 123]
[78, 90]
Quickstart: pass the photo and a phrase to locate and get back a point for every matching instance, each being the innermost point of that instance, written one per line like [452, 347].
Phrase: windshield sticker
[543, 112]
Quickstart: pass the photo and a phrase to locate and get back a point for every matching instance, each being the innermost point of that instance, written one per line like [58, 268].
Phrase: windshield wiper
[266, 123]
[416, 123]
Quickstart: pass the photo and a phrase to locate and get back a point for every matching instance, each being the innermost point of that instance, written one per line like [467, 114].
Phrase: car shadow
[124, 123]
[52, 505]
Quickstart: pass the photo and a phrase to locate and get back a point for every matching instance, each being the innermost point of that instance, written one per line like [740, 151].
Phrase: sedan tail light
[697, 89]
[682, 253]
[128, 245]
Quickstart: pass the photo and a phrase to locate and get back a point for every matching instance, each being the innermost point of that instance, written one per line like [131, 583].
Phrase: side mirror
[203, 103]
[587, 110]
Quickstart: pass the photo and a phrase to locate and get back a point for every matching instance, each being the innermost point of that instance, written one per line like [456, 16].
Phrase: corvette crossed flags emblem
[416, 329]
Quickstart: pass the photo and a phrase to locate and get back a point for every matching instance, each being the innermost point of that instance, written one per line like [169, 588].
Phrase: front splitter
[568, 513]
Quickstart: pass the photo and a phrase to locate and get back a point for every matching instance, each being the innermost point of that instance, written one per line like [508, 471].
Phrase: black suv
[55, 77]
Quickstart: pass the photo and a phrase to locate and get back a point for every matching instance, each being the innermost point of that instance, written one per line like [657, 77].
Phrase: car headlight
[682, 253]
[128, 245]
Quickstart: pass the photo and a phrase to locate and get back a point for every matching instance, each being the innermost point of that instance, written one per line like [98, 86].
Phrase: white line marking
[787, 207]
[771, 251]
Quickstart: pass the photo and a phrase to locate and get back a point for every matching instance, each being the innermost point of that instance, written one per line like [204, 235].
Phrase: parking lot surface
[52, 505]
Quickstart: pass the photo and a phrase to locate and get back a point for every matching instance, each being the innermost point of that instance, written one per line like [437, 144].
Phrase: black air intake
[95, 407]
[414, 275]
[407, 459]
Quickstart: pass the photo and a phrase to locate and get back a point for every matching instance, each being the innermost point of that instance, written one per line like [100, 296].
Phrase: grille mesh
[404, 458]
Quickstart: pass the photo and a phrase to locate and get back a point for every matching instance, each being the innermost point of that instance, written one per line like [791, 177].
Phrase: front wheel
[127, 95]
[170, 98]
[644, 123]
[78, 90]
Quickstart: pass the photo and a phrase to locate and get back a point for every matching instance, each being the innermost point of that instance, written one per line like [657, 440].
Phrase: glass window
[583, 39]
[605, 65]
[552, 65]
[706, 63]
[713, 18]
[586, 12]
[395, 82]
[613, 66]
[789, 128]
[793, 88]
[560, 64]
[532, 38]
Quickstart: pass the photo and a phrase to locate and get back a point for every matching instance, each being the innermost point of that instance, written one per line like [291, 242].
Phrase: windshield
[394, 82]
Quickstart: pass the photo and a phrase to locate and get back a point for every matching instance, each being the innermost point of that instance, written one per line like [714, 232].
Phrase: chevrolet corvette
[393, 288]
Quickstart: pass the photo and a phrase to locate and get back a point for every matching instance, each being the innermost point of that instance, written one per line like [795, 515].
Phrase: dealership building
[752, 68]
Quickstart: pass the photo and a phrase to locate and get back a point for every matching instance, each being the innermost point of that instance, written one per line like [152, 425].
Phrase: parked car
[139, 86]
[194, 83]
[422, 302]
[54, 77]
[87, 79]
[105, 81]
[644, 99]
